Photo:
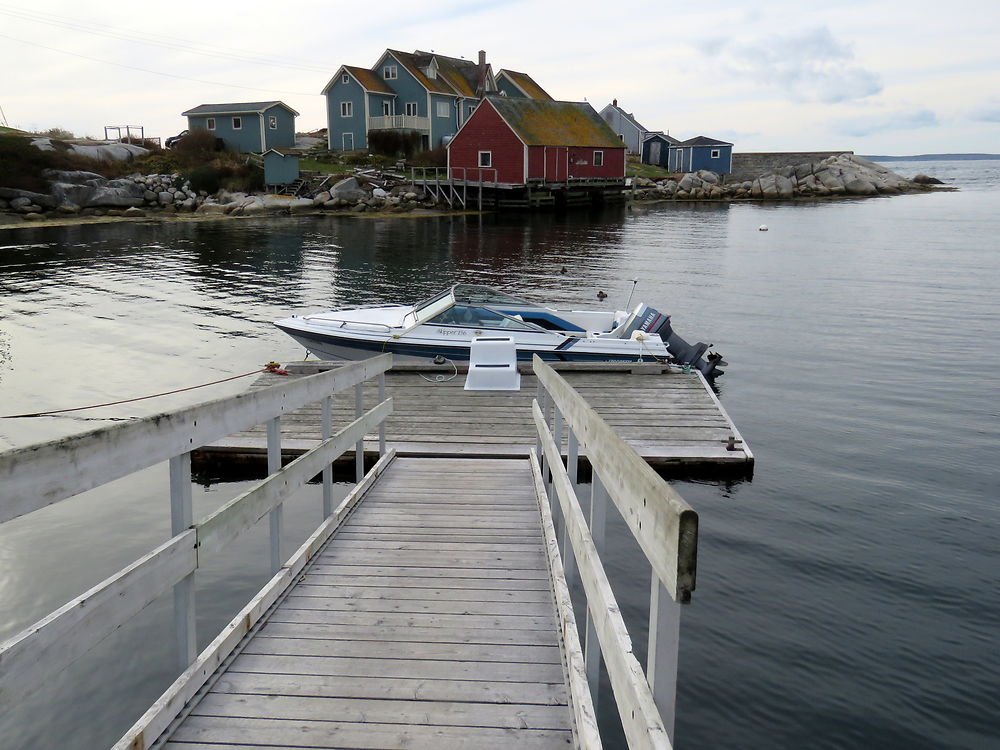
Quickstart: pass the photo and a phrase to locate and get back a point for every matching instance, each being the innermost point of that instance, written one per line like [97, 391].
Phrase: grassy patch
[636, 169]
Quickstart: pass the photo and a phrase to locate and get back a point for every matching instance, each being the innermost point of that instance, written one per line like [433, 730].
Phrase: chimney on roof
[614, 102]
[481, 78]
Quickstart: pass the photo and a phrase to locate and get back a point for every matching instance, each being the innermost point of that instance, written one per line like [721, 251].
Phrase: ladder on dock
[430, 609]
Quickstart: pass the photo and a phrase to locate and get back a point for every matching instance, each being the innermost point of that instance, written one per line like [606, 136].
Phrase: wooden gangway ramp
[430, 608]
[671, 418]
[428, 621]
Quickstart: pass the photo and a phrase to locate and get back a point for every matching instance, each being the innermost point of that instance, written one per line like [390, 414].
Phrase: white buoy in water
[762, 228]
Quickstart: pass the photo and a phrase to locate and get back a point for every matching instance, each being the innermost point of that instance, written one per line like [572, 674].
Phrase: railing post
[557, 425]
[327, 428]
[181, 518]
[540, 398]
[359, 447]
[274, 466]
[381, 425]
[664, 645]
[572, 465]
[598, 517]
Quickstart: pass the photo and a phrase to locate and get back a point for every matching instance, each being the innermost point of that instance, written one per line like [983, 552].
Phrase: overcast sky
[879, 76]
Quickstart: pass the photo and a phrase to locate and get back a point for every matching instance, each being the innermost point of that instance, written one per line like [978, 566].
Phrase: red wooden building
[522, 142]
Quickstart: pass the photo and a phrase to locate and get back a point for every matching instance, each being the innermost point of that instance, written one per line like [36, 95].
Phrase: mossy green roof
[540, 122]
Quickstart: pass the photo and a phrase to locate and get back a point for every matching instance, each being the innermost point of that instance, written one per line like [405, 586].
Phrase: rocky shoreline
[87, 194]
[834, 176]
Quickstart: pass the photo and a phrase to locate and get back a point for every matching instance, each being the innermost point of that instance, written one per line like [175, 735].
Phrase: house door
[348, 141]
[654, 153]
[555, 164]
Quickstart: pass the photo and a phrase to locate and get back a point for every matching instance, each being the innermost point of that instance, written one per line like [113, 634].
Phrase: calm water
[846, 595]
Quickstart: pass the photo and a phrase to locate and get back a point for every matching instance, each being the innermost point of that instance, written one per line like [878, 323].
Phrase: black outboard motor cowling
[653, 321]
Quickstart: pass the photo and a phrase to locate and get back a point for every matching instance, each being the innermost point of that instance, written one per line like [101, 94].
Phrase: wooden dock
[428, 623]
[670, 418]
[429, 610]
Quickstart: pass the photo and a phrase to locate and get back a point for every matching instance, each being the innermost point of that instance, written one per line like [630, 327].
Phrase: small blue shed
[702, 153]
[656, 148]
[246, 127]
[281, 166]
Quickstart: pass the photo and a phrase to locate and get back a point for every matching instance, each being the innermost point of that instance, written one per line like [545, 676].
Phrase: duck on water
[446, 324]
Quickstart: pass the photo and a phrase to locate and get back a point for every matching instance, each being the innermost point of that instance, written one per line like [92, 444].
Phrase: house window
[622, 137]
[442, 109]
[347, 109]
[715, 153]
[211, 123]
[272, 122]
[386, 108]
[237, 123]
[472, 108]
[345, 78]
[389, 72]
[411, 109]
[598, 158]
[486, 158]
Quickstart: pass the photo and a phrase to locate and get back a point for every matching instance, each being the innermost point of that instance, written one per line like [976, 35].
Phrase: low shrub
[21, 164]
[197, 146]
[435, 157]
[394, 143]
[207, 178]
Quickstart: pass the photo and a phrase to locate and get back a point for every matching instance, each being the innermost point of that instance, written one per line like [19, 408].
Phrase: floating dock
[672, 419]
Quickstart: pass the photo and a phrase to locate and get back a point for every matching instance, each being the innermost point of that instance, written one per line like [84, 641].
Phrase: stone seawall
[749, 165]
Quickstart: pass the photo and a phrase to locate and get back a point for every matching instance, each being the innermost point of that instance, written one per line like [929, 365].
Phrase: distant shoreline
[935, 157]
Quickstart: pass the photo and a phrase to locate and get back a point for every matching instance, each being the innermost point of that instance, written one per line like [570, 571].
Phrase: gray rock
[165, 197]
[689, 182]
[860, 186]
[33, 216]
[802, 171]
[349, 190]
[321, 198]
[134, 212]
[922, 179]
[708, 177]
[211, 208]
[39, 199]
[784, 186]
[148, 195]
[20, 202]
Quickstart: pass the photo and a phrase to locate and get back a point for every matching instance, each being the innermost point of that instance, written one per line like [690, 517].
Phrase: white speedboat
[444, 326]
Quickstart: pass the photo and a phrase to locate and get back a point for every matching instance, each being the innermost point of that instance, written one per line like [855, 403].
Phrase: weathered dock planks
[395, 638]
[670, 418]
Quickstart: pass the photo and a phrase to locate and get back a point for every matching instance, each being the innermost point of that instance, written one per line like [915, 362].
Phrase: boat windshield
[474, 295]
[472, 316]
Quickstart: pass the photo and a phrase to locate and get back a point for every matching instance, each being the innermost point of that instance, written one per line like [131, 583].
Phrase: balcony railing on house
[399, 122]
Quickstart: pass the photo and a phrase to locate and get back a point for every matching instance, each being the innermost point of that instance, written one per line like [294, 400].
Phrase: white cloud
[807, 66]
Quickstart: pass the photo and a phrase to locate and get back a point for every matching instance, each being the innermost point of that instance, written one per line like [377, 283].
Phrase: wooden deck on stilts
[672, 419]
[428, 621]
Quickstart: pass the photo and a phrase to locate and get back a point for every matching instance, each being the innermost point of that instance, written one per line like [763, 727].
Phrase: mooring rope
[270, 367]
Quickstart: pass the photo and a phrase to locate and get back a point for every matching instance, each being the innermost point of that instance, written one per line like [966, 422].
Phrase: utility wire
[159, 40]
[156, 72]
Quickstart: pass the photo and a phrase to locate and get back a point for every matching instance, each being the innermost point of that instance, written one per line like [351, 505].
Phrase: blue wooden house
[419, 92]
[246, 127]
[520, 86]
[656, 148]
[281, 166]
[702, 152]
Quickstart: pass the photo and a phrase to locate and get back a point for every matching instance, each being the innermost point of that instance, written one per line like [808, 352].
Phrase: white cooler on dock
[493, 365]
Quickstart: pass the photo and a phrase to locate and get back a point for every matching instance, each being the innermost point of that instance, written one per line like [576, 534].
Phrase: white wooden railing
[40, 475]
[666, 529]
[399, 122]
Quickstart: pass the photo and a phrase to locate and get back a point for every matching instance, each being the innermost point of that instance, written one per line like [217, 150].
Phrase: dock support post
[273, 466]
[381, 425]
[182, 518]
[592, 647]
[359, 447]
[664, 645]
[327, 431]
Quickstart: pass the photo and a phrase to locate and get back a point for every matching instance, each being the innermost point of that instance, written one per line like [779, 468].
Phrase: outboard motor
[649, 320]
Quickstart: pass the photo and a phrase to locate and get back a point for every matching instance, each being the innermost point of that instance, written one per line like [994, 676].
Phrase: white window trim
[347, 109]
[412, 110]
[441, 109]
[390, 72]
[272, 122]
[386, 108]
[489, 159]
[237, 123]
[210, 123]
[598, 155]
[715, 153]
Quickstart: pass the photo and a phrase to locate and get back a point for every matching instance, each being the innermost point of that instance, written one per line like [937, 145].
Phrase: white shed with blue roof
[246, 127]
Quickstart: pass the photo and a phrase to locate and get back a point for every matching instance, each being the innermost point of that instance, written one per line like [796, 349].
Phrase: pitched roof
[663, 136]
[526, 83]
[627, 115]
[234, 109]
[369, 79]
[412, 64]
[541, 122]
[701, 140]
